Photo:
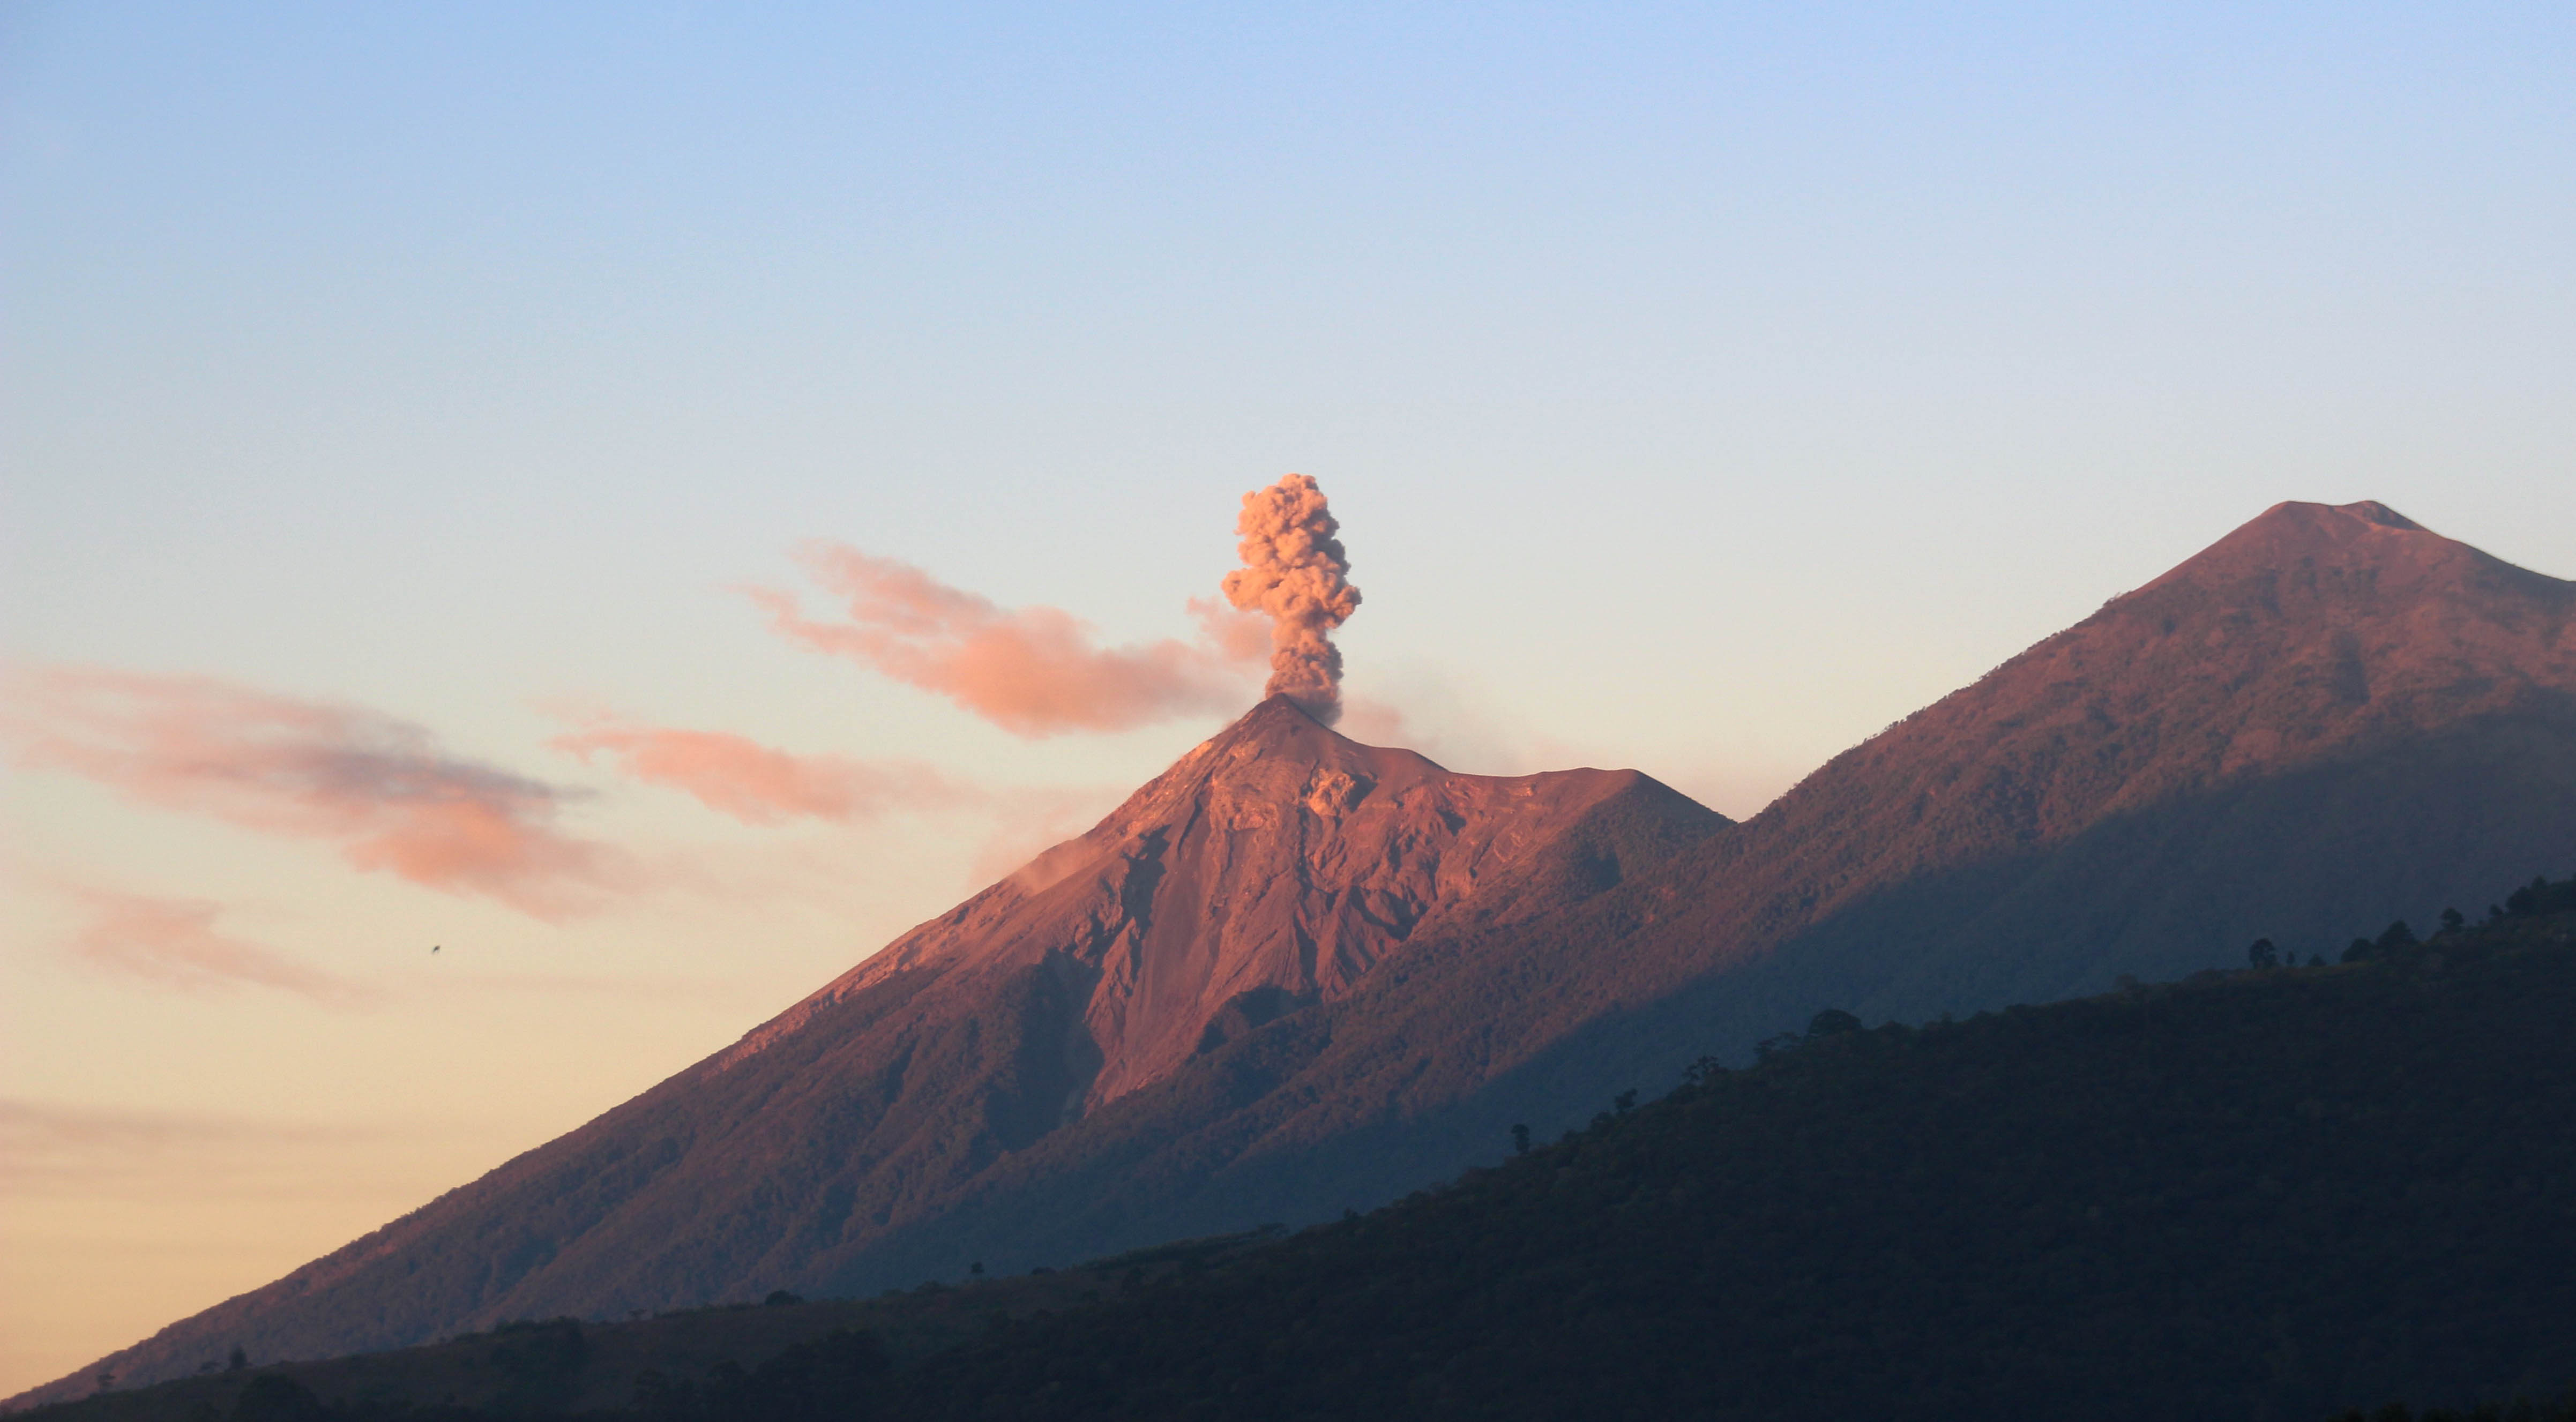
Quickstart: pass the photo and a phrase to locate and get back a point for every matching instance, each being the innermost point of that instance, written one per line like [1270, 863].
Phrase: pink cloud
[759, 785]
[1033, 671]
[172, 943]
[377, 787]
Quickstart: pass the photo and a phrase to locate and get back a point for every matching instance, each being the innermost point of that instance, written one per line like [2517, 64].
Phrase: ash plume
[1295, 571]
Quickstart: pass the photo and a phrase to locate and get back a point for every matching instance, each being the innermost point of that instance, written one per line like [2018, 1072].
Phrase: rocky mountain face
[1266, 872]
[1295, 974]
[1268, 869]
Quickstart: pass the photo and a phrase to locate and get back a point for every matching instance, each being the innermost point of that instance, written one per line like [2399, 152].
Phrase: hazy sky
[392, 392]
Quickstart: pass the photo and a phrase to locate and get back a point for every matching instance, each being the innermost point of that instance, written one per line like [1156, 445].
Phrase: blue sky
[1700, 389]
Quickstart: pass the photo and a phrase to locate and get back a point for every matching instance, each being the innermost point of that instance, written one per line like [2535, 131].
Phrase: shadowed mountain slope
[2270, 1195]
[1269, 869]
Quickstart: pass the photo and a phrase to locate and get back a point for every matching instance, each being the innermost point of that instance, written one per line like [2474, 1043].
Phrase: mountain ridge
[2068, 818]
[2329, 707]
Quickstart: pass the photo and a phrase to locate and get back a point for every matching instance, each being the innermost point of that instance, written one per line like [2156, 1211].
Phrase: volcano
[1295, 974]
[1268, 871]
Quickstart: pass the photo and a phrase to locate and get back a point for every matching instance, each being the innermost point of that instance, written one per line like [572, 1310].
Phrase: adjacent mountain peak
[2299, 513]
[2311, 632]
[2331, 520]
[2346, 550]
[2368, 510]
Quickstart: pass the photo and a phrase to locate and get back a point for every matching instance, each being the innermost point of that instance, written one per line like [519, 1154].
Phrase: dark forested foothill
[2276, 1193]
[2519, 1410]
[2286, 1192]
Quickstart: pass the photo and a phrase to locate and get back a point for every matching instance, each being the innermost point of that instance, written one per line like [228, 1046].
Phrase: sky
[522, 479]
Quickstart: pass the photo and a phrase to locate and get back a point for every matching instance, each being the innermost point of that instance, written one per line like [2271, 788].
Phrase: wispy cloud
[51, 1148]
[377, 787]
[43, 1128]
[761, 785]
[1033, 671]
[172, 943]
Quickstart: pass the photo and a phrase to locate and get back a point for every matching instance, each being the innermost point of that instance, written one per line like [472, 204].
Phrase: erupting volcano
[1294, 973]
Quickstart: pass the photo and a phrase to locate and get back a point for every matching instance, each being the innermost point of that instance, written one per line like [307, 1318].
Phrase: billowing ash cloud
[1033, 671]
[1295, 571]
[760, 785]
[377, 787]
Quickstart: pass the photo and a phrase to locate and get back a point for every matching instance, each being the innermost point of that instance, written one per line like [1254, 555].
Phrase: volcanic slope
[1266, 871]
[2331, 712]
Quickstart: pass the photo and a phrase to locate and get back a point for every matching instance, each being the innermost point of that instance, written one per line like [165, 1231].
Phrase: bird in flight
[433, 947]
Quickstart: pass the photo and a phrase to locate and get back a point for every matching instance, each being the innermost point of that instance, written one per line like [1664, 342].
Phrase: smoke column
[1294, 569]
